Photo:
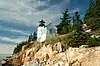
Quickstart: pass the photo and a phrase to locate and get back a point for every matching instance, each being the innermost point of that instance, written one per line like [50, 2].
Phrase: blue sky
[19, 18]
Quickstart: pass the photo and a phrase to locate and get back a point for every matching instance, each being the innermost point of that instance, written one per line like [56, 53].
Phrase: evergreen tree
[63, 27]
[77, 23]
[18, 48]
[30, 37]
[78, 36]
[97, 9]
[92, 17]
[34, 36]
[90, 11]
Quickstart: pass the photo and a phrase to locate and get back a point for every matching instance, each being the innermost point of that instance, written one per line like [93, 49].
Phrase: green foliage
[60, 38]
[32, 37]
[53, 39]
[77, 23]
[78, 36]
[91, 11]
[94, 23]
[92, 16]
[76, 19]
[77, 39]
[63, 27]
[97, 9]
[92, 19]
[19, 47]
[92, 42]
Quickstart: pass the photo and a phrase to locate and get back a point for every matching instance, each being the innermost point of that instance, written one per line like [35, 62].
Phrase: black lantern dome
[42, 23]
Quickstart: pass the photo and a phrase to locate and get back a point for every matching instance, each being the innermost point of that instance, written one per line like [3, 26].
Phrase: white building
[44, 31]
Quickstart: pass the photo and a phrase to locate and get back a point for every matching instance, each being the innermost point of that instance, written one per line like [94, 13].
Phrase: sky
[19, 18]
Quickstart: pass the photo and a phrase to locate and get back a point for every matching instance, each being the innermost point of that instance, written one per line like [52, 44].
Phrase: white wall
[41, 34]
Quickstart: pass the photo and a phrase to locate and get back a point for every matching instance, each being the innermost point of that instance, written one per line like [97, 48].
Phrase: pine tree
[63, 27]
[78, 36]
[92, 17]
[30, 37]
[97, 9]
[18, 48]
[90, 11]
[77, 23]
[34, 36]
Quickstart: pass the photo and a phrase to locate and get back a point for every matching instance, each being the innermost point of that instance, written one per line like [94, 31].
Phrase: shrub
[92, 42]
[19, 46]
[53, 39]
[77, 39]
[93, 23]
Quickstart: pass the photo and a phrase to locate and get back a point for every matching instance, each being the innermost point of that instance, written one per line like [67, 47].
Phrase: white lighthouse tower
[45, 31]
[41, 31]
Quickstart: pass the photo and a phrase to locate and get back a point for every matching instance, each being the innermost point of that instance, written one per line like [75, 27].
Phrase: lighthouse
[41, 31]
[45, 31]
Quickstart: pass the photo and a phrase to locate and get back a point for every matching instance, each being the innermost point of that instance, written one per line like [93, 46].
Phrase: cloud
[16, 25]
[13, 40]
[18, 31]
[6, 48]
[26, 12]
[21, 10]
[14, 31]
[74, 10]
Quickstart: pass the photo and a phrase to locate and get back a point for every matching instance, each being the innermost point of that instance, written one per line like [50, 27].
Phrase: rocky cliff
[53, 55]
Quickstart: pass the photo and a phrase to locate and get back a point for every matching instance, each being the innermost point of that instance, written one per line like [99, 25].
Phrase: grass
[64, 39]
